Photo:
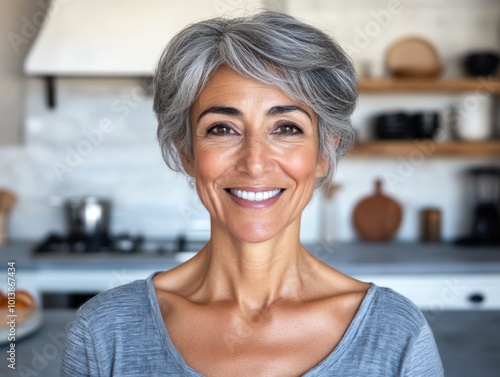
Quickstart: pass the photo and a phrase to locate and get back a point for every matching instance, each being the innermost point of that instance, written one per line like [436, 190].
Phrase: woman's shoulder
[130, 298]
[389, 307]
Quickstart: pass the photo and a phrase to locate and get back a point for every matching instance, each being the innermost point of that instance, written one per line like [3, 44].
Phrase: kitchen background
[148, 198]
[99, 138]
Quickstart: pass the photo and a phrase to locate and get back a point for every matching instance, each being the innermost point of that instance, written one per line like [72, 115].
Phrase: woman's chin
[254, 234]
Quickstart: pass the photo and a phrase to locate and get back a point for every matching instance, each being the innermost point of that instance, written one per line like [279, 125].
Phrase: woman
[256, 111]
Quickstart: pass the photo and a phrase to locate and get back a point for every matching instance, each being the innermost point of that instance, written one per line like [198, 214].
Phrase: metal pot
[87, 216]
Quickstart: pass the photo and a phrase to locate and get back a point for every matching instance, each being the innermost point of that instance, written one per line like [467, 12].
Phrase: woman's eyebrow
[221, 110]
[275, 110]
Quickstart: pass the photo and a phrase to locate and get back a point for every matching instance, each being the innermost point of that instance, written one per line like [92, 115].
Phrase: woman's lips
[254, 189]
[255, 204]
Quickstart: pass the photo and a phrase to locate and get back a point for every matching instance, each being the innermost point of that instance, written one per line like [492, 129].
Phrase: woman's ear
[324, 163]
[322, 166]
[336, 140]
[187, 164]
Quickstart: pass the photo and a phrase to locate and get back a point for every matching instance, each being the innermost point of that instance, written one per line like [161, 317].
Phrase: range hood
[117, 37]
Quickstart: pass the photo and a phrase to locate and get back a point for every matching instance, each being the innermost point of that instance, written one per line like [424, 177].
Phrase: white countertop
[436, 277]
[350, 258]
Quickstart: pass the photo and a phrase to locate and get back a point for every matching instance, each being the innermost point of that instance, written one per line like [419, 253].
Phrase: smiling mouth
[254, 196]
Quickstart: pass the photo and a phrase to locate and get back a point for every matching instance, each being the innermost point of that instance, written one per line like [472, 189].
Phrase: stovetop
[116, 244]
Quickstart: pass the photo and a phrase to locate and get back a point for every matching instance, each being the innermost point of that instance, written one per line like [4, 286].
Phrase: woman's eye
[288, 129]
[220, 129]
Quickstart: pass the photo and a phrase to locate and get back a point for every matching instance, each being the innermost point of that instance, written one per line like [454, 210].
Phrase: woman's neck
[254, 275]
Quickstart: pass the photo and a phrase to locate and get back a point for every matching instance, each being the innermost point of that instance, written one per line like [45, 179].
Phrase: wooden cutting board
[377, 217]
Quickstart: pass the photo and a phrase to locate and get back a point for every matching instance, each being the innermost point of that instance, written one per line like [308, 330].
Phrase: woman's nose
[255, 157]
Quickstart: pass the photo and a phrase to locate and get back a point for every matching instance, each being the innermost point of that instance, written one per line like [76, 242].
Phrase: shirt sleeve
[422, 359]
[79, 356]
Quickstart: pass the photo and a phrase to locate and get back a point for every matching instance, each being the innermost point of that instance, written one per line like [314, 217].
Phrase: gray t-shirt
[121, 332]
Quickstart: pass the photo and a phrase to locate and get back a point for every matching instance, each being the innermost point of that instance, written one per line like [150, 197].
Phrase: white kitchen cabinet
[438, 292]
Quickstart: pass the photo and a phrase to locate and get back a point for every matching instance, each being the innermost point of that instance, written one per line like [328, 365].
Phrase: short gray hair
[273, 48]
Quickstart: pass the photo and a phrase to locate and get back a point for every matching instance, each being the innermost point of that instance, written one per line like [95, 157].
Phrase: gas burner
[120, 244]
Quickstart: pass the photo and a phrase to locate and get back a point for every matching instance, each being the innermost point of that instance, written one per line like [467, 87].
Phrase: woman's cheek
[301, 162]
[213, 159]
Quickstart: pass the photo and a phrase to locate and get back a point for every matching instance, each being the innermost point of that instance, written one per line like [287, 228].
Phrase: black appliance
[484, 185]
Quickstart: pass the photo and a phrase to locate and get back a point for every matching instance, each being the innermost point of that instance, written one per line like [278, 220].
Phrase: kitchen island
[468, 342]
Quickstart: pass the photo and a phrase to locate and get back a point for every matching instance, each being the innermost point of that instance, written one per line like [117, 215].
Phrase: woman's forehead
[227, 87]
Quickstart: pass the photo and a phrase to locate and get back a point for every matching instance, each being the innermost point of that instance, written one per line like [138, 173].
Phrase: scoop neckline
[353, 328]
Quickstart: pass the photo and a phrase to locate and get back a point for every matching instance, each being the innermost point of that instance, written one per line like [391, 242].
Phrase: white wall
[367, 28]
[125, 164]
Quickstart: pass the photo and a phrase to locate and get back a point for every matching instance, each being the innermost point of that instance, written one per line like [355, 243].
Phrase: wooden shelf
[430, 85]
[425, 147]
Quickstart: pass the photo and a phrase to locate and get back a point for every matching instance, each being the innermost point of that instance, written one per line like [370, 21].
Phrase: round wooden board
[413, 57]
[377, 217]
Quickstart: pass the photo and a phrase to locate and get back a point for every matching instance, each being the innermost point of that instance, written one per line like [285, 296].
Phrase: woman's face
[255, 155]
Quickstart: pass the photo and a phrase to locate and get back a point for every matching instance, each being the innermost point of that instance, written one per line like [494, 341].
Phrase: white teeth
[255, 196]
